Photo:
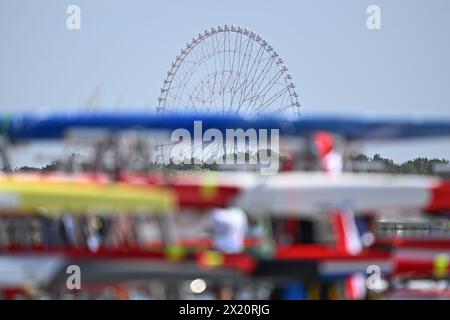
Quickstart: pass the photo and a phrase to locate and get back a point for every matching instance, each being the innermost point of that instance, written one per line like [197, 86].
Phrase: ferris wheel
[229, 70]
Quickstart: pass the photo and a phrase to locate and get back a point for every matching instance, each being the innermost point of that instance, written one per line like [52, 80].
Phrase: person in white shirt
[229, 226]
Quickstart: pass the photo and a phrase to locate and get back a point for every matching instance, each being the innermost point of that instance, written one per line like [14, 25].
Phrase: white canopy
[305, 193]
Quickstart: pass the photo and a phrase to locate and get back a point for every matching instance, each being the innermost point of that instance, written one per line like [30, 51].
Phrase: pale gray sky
[337, 64]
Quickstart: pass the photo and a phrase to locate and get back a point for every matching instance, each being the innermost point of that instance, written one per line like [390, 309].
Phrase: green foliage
[423, 166]
[417, 166]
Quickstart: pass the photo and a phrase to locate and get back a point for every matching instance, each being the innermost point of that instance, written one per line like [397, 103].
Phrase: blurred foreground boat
[56, 194]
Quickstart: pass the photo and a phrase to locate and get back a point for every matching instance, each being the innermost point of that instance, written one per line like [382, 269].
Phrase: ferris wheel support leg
[100, 150]
[4, 156]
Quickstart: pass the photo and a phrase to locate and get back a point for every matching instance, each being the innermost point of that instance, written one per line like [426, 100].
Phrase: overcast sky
[124, 49]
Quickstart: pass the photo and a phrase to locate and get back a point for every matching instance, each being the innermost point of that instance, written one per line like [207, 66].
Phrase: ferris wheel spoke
[248, 89]
[253, 105]
[193, 104]
[246, 76]
[224, 87]
[272, 98]
[206, 65]
[200, 62]
[215, 63]
[259, 80]
[215, 79]
[240, 51]
[224, 38]
[264, 72]
[190, 62]
[256, 62]
[219, 54]
[229, 69]
[196, 93]
[180, 102]
[229, 53]
[277, 112]
[260, 51]
[188, 82]
[231, 60]
[269, 85]
[220, 62]
[232, 68]
[246, 73]
[240, 70]
[213, 53]
[182, 81]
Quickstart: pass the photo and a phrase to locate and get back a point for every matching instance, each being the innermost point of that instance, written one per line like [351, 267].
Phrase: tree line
[419, 165]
